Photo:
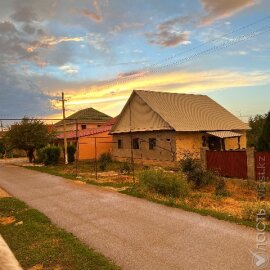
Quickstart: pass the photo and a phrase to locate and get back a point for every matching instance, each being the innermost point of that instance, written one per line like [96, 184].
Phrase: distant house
[90, 142]
[86, 119]
[159, 126]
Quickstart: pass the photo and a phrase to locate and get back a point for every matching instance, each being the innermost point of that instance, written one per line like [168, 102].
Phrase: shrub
[40, 156]
[105, 159]
[163, 183]
[49, 155]
[251, 210]
[125, 168]
[221, 188]
[195, 172]
[71, 150]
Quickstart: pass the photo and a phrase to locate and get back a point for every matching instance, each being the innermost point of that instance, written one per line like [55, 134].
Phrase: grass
[67, 172]
[38, 244]
[134, 191]
[241, 194]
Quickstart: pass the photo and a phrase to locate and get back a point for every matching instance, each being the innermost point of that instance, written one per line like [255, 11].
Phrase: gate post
[203, 157]
[250, 163]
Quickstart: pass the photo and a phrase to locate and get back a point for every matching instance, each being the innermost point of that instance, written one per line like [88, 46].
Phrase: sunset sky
[98, 51]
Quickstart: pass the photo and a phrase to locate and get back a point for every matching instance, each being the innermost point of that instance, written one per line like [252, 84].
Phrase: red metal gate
[262, 165]
[228, 163]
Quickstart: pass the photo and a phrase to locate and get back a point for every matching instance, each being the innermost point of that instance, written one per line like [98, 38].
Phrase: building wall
[188, 142]
[164, 150]
[232, 143]
[72, 126]
[87, 145]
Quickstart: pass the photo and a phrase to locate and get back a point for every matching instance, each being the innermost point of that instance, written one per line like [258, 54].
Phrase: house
[86, 119]
[92, 142]
[159, 126]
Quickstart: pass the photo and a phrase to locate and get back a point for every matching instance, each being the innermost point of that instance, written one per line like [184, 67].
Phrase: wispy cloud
[49, 41]
[70, 69]
[90, 15]
[171, 32]
[100, 95]
[216, 10]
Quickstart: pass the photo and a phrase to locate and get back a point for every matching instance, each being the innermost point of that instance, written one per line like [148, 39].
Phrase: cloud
[7, 27]
[69, 69]
[103, 96]
[24, 14]
[130, 74]
[49, 41]
[97, 41]
[168, 38]
[90, 15]
[94, 16]
[30, 30]
[220, 9]
[20, 96]
[171, 32]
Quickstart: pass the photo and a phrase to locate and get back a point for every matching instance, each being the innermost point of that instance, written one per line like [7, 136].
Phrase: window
[135, 143]
[152, 143]
[120, 144]
[83, 126]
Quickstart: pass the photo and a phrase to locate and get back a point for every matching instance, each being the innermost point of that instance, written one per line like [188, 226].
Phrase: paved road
[136, 234]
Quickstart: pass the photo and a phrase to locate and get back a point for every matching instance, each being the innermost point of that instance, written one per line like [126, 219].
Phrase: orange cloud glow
[111, 98]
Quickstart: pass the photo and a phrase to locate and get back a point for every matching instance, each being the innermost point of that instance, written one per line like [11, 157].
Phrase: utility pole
[64, 121]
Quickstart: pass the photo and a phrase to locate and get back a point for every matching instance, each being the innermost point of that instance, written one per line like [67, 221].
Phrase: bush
[251, 210]
[221, 188]
[163, 183]
[40, 156]
[71, 150]
[125, 168]
[105, 159]
[195, 172]
[49, 155]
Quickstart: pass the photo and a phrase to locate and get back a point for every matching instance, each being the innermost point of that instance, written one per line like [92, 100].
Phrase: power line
[141, 73]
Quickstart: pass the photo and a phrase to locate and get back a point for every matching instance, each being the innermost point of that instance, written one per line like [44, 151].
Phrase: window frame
[135, 143]
[152, 143]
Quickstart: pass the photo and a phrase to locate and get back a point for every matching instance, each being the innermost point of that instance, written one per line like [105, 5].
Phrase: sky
[98, 51]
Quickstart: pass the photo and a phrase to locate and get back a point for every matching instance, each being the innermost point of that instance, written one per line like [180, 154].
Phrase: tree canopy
[263, 143]
[29, 135]
[256, 124]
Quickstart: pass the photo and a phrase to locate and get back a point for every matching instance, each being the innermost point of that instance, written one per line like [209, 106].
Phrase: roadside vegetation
[39, 245]
[189, 186]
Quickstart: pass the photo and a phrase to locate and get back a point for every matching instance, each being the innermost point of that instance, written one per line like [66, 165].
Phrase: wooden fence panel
[262, 165]
[228, 163]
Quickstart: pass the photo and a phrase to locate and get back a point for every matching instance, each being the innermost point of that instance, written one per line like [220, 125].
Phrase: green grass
[134, 191]
[38, 241]
[56, 170]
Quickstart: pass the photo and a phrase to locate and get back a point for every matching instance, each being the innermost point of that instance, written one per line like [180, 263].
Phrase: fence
[228, 163]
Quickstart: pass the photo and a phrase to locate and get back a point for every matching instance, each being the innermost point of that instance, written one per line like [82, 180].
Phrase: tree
[256, 124]
[29, 135]
[263, 143]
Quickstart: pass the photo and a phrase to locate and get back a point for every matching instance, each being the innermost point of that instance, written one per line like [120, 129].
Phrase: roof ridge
[167, 93]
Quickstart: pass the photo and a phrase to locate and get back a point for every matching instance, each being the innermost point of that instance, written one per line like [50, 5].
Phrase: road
[134, 233]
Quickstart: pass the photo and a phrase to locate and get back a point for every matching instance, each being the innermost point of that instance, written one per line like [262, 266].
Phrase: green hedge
[49, 155]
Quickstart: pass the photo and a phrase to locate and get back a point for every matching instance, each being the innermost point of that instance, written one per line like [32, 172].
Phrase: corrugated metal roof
[189, 112]
[84, 132]
[88, 114]
[224, 134]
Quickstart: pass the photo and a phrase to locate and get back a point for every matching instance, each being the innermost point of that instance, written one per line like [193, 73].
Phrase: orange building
[90, 143]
